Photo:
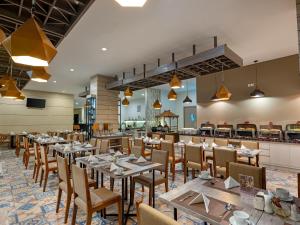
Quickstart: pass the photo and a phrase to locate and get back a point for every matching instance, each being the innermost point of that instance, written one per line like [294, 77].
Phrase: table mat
[219, 184]
[216, 207]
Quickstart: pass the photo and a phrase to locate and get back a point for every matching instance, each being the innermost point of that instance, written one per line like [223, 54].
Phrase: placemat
[216, 207]
[147, 163]
[219, 184]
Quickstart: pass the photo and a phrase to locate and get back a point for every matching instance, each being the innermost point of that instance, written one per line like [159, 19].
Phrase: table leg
[126, 188]
[97, 178]
[249, 160]
[102, 182]
[153, 188]
[175, 214]
[122, 203]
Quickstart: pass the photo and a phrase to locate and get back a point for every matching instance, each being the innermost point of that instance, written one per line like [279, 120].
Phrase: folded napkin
[243, 147]
[156, 138]
[201, 198]
[61, 139]
[111, 151]
[231, 183]
[190, 143]
[24, 132]
[230, 146]
[161, 139]
[88, 146]
[92, 159]
[214, 145]
[141, 160]
[113, 167]
[205, 145]
[57, 145]
[67, 148]
[118, 153]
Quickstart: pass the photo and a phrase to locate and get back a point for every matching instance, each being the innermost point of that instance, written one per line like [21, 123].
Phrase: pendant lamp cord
[223, 77]
[256, 85]
[32, 8]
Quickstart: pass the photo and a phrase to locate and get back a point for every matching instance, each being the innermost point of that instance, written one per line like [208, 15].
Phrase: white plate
[289, 199]
[232, 221]
[206, 178]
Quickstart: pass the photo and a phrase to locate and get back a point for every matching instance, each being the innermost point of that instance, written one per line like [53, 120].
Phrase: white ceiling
[256, 29]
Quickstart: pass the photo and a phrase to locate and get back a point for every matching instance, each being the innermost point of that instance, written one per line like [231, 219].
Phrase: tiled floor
[23, 202]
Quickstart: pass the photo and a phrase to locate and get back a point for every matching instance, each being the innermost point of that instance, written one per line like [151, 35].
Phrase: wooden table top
[245, 201]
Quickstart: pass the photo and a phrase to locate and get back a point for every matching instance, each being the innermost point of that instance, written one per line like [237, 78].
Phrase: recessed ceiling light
[54, 81]
[131, 3]
[182, 86]
[143, 94]
[104, 49]
[72, 70]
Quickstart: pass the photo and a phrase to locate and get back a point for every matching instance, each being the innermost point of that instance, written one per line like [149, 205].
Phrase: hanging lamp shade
[3, 80]
[29, 45]
[172, 96]
[11, 90]
[125, 102]
[214, 98]
[157, 104]
[223, 94]
[175, 82]
[2, 36]
[128, 92]
[40, 74]
[257, 93]
[187, 100]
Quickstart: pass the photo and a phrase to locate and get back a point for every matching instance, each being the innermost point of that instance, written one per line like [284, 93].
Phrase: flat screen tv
[36, 103]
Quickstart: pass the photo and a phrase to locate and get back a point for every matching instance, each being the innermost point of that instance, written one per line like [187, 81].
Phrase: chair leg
[193, 174]
[173, 171]
[132, 192]
[58, 199]
[34, 171]
[74, 214]
[37, 173]
[89, 218]
[184, 174]
[69, 195]
[150, 195]
[42, 176]
[112, 184]
[119, 212]
[46, 179]
[166, 186]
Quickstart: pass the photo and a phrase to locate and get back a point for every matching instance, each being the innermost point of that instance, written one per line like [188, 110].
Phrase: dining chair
[102, 146]
[91, 200]
[37, 162]
[46, 167]
[220, 158]
[169, 137]
[125, 145]
[5, 139]
[65, 184]
[258, 173]
[81, 138]
[193, 158]
[197, 140]
[137, 151]
[140, 142]
[75, 137]
[157, 156]
[173, 157]
[29, 151]
[69, 137]
[93, 141]
[221, 141]
[18, 145]
[146, 215]
[252, 145]
[155, 136]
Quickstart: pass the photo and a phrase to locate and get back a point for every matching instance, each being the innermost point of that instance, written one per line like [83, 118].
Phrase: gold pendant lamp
[128, 92]
[175, 83]
[172, 96]
[157, 104]
[40, 74]
[21, 97]
[125, 102]
[223, 94]
[11, 91]
[29, 45]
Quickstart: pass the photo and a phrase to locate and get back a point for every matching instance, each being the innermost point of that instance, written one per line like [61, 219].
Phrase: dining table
[239, 199]
[101, 164]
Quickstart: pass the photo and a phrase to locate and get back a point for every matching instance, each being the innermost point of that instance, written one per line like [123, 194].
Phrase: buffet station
[279, 148]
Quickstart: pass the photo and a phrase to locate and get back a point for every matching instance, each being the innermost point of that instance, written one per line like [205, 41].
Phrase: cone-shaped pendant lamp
[172, 96]
[11, 91]
[40, 74]
[2, 36]
[128, 92]
[125, 102]
[175, 83]
[187, 99]
[257, 93]
[21, 97]
[157, 104]
[29, 45]
[223, 94]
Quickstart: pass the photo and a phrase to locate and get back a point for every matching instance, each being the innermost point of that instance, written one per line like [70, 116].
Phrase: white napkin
[67, 149]
[113, 167]
[156, 138]
[231, 183]
[230, 146]
[61, 139]
[190, 143]
[205, 145]
[118, 153]
[24, 132]
[161, 139]
[214, 145]
[243, 147]
[88, 146]
[57, 145]
[201, 198]
[141, 160]
[111, 151]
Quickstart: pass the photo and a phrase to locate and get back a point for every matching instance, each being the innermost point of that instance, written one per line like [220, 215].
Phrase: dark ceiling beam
[20, 7]
[71, 6]
[63, 10]
[50, 11]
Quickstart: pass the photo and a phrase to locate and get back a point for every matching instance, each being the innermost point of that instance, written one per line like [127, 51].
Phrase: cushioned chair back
[125, 144]
[137, 151]
[222, 156]
[197, 140]
[139, 142]
[69, 137]
[93, 142]
[80, 184]
[81, 138]
[169, 147]
[104, 146]
[63, 171]
[155, 136]
[221, 141]
[193, 154]
[170, 138]
[43, 155]
[161, 157]
[36, 152]
[235, 170]
[149, 216]
[250, 144]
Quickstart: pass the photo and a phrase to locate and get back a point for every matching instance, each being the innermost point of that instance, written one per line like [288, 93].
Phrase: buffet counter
[283, 155]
